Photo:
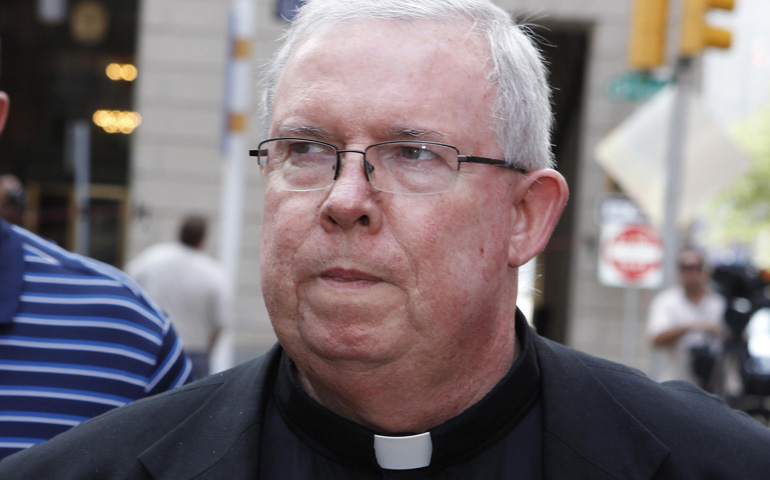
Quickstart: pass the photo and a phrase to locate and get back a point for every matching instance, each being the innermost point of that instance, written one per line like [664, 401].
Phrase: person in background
[407, 172]
[686, 323]
[77, 338]
[190, 287]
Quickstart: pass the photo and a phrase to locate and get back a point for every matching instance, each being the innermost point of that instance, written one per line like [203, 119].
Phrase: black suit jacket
[601, 421]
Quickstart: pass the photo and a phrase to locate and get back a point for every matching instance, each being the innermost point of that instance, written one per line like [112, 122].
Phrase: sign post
[631, 257]
[237, 101]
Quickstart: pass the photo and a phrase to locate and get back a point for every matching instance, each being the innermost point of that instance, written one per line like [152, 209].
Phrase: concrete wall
[176, 165]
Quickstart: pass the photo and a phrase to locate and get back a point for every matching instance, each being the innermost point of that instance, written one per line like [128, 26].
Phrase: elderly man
[406, 179]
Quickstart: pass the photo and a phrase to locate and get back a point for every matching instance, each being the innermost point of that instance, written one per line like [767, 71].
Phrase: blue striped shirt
[77, 338]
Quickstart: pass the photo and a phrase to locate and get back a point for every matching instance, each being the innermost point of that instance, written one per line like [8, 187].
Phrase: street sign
[635, 155]
[634, 87]
[630, 255]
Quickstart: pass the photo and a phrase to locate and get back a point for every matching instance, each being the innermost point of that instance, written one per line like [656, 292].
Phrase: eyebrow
[303, 131]
[414, 134]
[399, 133]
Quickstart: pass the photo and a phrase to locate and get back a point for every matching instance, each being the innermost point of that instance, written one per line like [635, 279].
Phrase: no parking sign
[630, 250]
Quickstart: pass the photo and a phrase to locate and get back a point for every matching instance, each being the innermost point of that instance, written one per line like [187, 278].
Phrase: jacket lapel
[587, 432]
[231, 419]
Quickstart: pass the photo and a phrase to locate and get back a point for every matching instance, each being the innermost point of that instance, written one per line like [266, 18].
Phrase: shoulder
[701, 432]
[670, 296]
[57, 277]
[110, 443]
[150, 257]
[51, 257]
[633, 389]
[205, 263]
[204, 414]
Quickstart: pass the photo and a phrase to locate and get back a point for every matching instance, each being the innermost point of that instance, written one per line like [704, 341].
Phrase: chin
[362, 343]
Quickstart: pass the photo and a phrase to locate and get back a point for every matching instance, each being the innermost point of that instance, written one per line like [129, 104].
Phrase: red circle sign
[634, 251]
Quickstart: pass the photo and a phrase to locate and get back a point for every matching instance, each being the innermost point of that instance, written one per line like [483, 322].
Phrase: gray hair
[522, 113]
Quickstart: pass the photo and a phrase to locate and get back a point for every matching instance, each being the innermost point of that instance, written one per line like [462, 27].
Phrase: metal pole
[628, 352]
[677, 133]
[237, 102]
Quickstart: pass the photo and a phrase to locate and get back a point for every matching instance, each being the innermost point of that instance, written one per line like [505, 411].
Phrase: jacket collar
[232, 416]
[578, 442]
[587, 433]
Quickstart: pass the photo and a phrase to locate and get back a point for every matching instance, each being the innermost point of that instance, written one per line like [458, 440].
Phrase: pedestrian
[686, 323]
[190, 287]
[77, 338]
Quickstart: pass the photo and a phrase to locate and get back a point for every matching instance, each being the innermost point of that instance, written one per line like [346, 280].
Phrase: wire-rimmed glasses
[399, 166]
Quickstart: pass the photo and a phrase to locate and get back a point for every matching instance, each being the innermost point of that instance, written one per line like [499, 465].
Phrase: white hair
[522, 115]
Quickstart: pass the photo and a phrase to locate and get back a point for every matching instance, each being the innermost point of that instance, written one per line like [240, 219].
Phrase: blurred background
[126, 115]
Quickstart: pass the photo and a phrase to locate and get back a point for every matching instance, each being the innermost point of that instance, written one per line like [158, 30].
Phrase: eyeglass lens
[397, 167]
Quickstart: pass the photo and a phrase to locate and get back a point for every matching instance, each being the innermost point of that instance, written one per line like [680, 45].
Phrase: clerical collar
[454, 441]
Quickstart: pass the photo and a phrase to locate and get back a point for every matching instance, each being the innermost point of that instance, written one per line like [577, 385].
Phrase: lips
[348, 276]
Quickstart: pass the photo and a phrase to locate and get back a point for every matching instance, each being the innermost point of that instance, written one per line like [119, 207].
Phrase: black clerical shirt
[497, 438]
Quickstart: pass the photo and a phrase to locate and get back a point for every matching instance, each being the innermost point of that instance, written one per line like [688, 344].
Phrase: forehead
[389, 71]
[690, 258]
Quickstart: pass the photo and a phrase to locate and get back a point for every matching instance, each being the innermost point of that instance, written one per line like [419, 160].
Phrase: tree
[741, 213]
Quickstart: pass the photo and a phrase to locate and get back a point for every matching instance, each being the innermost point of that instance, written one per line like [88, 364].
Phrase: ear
[4, 105]
[539, 201]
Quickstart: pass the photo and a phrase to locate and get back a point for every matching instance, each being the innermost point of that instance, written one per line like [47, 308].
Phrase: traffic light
[696, 34]
[648, 34]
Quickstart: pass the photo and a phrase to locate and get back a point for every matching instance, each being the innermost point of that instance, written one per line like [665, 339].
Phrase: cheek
[454, 249]
[282, 233]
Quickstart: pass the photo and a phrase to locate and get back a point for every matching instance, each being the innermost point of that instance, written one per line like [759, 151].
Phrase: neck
[694, 293]
[399, 398]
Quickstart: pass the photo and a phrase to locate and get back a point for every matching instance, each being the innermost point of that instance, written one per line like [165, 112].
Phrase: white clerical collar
[403, 453]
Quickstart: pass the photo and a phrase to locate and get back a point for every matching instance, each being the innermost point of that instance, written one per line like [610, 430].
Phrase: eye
[305, 148]
[420, 153]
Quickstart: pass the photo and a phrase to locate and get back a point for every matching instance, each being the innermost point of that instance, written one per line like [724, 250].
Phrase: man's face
[692, 273]
[354, 274]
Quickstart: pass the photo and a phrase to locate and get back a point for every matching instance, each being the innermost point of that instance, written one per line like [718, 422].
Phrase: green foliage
[742, 210]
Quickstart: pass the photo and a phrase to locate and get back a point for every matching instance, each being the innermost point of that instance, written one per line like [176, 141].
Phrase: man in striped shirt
[77, 338]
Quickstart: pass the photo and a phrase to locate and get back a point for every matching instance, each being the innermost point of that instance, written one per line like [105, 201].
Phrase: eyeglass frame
[262, 153]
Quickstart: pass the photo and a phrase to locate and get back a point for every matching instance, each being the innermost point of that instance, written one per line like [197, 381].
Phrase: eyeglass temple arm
[489, 161]
[258, 153]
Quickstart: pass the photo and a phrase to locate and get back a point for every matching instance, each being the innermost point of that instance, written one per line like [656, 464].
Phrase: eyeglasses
[407, 167]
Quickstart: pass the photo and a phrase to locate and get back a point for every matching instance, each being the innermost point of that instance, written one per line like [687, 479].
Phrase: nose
[351, 201]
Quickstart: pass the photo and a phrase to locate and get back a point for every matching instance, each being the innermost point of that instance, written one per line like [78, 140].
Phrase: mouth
[348, 278]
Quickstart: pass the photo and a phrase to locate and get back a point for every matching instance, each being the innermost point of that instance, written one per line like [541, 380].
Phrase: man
[686, 319]
[190, 287]
[77, 338]
[390, 277]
